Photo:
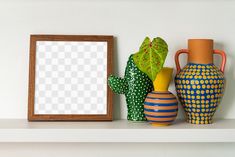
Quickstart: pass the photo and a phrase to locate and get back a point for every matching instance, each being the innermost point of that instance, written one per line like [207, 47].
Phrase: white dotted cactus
[135, 85]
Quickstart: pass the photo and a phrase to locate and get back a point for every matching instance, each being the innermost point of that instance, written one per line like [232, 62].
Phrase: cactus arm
[117, 84]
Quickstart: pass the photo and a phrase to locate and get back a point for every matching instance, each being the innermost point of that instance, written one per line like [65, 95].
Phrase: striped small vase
[161, 106]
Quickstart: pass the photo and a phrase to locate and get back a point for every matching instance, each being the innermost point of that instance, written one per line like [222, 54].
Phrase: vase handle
[177, 58]
[223, 55]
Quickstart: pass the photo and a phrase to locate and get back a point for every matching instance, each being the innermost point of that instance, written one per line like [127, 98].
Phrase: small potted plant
[140, 73]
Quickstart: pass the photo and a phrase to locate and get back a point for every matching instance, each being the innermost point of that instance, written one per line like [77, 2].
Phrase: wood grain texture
[31, 88]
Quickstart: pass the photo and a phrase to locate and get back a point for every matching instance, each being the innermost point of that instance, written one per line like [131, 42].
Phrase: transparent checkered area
[71, 78]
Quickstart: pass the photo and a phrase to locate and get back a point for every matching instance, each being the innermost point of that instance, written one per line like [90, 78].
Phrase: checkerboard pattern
[71, 77]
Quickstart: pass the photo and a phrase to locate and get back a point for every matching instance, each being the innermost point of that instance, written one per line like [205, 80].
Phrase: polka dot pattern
[200, 88]
[135, 85]
[118, 84]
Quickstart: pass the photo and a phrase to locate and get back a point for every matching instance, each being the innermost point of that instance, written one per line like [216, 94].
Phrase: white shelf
[116, 131]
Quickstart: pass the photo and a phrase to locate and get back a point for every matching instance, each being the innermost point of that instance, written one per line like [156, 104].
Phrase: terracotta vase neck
[200, 51]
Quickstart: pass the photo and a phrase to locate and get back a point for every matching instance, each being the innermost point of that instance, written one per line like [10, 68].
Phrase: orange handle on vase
[223, 55]
[177, 58]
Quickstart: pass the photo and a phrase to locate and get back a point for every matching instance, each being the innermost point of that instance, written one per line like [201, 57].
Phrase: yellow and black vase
[200, 84]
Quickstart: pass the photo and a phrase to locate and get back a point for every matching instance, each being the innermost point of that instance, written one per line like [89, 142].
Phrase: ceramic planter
[200, 84]
[161, 106]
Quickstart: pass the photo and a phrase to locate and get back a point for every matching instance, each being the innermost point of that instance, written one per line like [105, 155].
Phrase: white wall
[128, 20]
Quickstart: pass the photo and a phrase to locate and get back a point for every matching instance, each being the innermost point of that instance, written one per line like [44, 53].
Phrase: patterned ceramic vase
[161, 106]
[200, 84]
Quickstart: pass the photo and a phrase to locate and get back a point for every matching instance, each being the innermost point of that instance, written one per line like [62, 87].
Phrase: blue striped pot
[160, 108]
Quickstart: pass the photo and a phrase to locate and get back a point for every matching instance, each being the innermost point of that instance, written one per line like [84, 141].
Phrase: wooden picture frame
[55, 63]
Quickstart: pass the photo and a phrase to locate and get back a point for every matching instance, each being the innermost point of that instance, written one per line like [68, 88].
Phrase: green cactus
[135, 85]
[151, 56]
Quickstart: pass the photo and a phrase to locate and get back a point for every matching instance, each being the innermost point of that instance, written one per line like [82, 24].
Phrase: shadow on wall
[116, 97]
[183, 59]
[228, 98]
